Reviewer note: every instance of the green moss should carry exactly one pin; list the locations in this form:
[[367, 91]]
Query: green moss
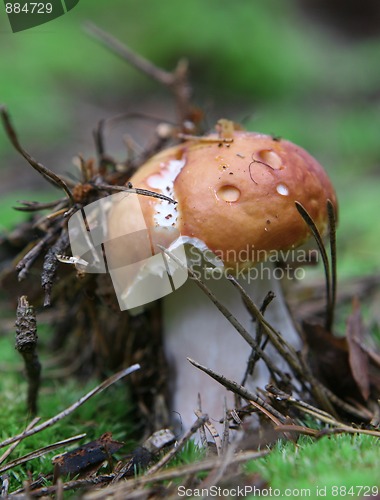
[[190, 453], [340, 460], [109, 411]]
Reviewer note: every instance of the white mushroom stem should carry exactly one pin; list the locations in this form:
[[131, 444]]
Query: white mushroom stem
[[195, 328]]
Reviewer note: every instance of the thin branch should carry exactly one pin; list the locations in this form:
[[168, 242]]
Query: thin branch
[[140, 63], [286, 350], [361, 414], [99, 135], [27, 261], [213, 432], [299, 429], [41, 452], [348, 430], [176, 81], [6, 454], [34, 206], [254, 357], [71, 485], [186, 470], [226, 430], [131, 189], [202, 430], [318, 238], [104, 385], [238, 389], [333, 254], [45, 172], [124, 487], [333, 399]]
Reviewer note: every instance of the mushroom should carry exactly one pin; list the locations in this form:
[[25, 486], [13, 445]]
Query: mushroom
[[236, 194]]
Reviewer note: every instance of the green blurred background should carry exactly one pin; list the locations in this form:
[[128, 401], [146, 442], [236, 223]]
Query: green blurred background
[[308, 71]]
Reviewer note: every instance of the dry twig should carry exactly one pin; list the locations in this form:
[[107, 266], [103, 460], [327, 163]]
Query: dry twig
[[45, 172], [124, 488], [239, 389], [104, 385], [176, 81], [41, 452], [6, 454]]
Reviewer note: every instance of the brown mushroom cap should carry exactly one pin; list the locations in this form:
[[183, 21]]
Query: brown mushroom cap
[[236, 196]]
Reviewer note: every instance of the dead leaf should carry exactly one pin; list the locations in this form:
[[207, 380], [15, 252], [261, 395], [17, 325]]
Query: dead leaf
[[86, 457], [358, 359], [329, 360]]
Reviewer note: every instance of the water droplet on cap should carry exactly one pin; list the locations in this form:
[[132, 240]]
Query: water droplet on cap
[[282, 189]]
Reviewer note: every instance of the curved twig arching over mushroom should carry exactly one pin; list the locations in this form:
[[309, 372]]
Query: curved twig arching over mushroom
[[236, 194]]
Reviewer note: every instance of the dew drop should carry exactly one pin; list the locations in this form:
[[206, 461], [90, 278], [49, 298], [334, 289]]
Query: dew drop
[[271, 158], [229, 193], [282, 189]]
